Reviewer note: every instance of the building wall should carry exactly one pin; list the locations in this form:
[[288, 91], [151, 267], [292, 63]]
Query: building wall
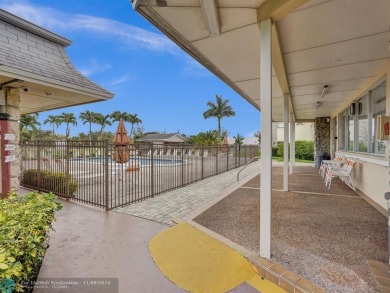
[[371, 172], [322, 136], [303, 131], [12, 101]]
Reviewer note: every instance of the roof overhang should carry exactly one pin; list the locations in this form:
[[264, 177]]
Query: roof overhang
[[342, 44], [45, 76], [37, 95]]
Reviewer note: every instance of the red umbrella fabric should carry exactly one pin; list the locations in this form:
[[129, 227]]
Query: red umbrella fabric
[[122, 144]]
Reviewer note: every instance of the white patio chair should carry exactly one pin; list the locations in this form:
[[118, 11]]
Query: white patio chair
[[205, 153], [197, 153], [344, 173], [326, 163]]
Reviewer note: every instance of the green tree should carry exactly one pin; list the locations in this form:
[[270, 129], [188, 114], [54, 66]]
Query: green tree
[[29, 122], [132, 119], [53, 121], [28, 125], [238, 141], [88, 117], [118, 115], [219, 110], [206, 138], [103, 121], [68, 118], [138, 133]]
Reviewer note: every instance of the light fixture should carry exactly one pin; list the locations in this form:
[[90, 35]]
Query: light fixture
[[318, 104], [211, 17], [324, 91]]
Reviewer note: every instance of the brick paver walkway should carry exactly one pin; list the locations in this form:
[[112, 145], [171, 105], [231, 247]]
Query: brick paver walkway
[[179, 202]]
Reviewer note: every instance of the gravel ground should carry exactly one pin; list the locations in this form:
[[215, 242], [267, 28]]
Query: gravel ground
[[325, 238]]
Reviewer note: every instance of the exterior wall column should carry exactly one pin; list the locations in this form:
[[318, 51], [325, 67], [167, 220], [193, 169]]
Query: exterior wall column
[[266, 137], [322, 136], [387, 152], [285, 143], [292, 143], [12, 101]]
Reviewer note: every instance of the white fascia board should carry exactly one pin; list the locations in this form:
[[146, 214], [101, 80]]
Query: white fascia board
[[31, 77]]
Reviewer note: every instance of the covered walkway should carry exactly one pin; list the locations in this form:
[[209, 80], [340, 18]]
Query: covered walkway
[[325, 236], [89, 243]]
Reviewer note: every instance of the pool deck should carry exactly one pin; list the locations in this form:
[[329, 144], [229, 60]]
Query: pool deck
[[178, 203]]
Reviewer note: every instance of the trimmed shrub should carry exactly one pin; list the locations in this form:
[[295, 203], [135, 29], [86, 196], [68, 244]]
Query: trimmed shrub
[[55, 182], [24, 225], [280, 150], [275, 151], [304, 150]]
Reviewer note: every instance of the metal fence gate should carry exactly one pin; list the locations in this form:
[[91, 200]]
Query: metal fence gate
[[85, 170]]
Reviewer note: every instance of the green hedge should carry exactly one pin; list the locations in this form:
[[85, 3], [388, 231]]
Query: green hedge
[[304, 150], [55, 182], [24, 226]]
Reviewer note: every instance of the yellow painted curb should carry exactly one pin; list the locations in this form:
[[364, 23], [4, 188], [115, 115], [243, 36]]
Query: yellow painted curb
[[263, 285], [197, 262]]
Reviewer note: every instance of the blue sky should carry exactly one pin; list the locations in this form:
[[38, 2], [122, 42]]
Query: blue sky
[[149, 75]]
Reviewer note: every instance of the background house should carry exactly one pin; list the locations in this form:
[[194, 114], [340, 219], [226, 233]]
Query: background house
[[159, 138]]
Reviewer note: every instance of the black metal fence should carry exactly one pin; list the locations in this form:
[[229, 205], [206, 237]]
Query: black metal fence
[[85, 171]]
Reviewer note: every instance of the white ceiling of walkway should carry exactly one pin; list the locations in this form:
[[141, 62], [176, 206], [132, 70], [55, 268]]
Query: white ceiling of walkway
[[339, 43]]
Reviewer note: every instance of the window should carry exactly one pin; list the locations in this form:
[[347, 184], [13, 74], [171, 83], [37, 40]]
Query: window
[[357, 128], [343, 125], [378, 106], [363, 133], [351, 132]]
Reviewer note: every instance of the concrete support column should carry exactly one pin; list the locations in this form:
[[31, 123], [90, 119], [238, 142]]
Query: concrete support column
[[292, 143], [322, 136], [266, 137], [285, 143], [12, 107]]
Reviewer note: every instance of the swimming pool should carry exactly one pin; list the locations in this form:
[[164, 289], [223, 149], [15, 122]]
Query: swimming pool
[[133, 161]]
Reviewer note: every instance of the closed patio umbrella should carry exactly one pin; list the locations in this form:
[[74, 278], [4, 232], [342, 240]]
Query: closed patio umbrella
[[122, 144]]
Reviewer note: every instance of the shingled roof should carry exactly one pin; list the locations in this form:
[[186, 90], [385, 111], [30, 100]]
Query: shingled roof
[[30, 50], [161, 137]]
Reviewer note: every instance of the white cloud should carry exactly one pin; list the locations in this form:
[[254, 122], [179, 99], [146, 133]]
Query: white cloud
[[120, 80], [93, 67], [129, 36], [56, 20]]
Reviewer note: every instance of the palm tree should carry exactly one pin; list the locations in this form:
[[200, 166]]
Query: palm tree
[[28, 125], [219, 110], [68, 118], [29, 121], [238, 141], [207, 138], [53, 121], [102, 120], [118, 115], [132, 119], [88, 117]]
